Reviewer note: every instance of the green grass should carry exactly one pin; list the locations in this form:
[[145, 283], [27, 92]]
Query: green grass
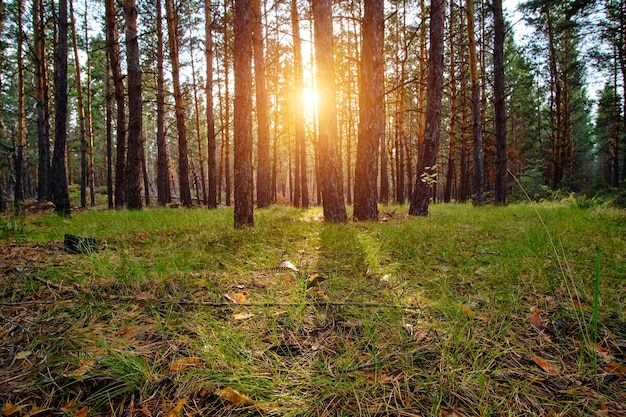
[[415, 316]]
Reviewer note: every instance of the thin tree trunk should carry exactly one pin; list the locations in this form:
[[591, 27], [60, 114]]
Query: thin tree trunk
[[113, 49], [332, 183], [499, 102], [60, 192], [20, 146], [197, 119], [41, 87], [135, 158], [243, 114], [298, 102], [447, 195], [210, 117], [226, 125], [164, 191], [88, 118], [478, 194], [262, 108], [426, 166], [371, 111], [183, 159], [109, 133]]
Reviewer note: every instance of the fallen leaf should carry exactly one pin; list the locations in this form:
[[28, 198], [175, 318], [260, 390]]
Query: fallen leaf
[[236, 297], [536, 321], [23, 355], [10, 409], [243, 316], [616, 368], [547, 366], [175, 411], [183, 363], [468, 311], [288, 265], [82, 412], [235, 397], [314, 280], [602, 352]]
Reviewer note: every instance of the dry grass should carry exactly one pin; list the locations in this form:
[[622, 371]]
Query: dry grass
[[473, 311]]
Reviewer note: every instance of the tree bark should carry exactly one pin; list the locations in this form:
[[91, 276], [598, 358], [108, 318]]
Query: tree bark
[[113, 49], [183, 159], [41, 87], [447, 196], [478, 194], [20, 146], [164, 191], [262, 108], [420, 197], [371, 112], [60, 192], [243, 114], [134, 161], [330, 169], [210, 117], [499, 102], [298, 107]]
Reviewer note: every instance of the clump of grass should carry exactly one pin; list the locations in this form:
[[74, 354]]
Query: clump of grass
[[409, 316]]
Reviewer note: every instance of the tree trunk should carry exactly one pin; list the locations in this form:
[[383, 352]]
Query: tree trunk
[[243, 114], [135, 107], [499, 102], [196, 104], [88, 117], [262, 104], [332, 184], [371, 111], [41, 87], [20, 162], [113, 49], [447, 194], [81, 112], [210, 117], [164, 191], [183, 159], [478, 194], [109, 133], [426, 166], [298, 107], [60, 192]]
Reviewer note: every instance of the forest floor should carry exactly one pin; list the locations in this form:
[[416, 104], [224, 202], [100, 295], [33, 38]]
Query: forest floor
[[501, 311]]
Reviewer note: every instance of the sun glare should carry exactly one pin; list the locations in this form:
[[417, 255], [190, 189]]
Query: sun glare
[[309, 100]]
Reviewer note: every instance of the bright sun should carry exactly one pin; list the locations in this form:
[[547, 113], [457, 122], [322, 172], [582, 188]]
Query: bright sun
[[309, 100]]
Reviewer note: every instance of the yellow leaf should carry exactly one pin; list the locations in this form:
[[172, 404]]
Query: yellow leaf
[[183, 363], [236, 297], [468, 311], [23, 355], [242, 316], [234, 397], [10, 409], [547, 366], [175, 411], [314, 280]]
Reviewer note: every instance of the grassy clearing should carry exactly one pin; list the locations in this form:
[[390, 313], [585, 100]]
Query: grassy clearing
[[471, 311]]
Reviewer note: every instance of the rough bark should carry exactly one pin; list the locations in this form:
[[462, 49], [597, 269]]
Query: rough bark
[[371, 112], [134, 161], [243, 114], [183, 159], [164, 191], [298, 108], [262, 110], [41, 87], [447, 196], [113, 50], [420, 198], [60, 191], [20, 146], [499, 102], [210, 117], [330, 164]]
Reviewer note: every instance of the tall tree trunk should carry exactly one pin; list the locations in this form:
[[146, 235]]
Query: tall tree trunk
[[210, 116], [226, 123], [88, 117], [262, 104], [81, 112], [41, 87], [298, 107], [183, 159], [371, 111], [109, 133], [113, 49], [478, 194], [332, 183], [447, 196], [164, 191], [499, 102], [243, 114], [20, 146], [426, 166], [196, 104], [60, 191], [134, 162]]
